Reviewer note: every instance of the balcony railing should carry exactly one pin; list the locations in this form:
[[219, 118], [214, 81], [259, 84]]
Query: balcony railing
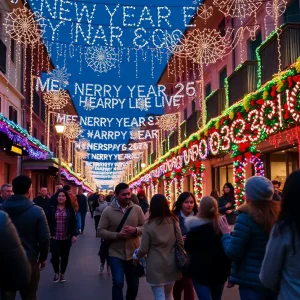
[[289, 49], [2, 57], [215, 104], [242, 81]]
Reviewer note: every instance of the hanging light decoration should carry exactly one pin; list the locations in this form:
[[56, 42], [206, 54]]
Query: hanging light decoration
[[73, 130], [56, 100], [24, 26]]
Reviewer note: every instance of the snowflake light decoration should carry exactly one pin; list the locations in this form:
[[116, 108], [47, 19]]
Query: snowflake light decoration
[[141, 104], [237, 8], [82, 154], [275, 9], [204, 12], [168, 122], [24, 26], [88, 105], [56, 99], [73, 130], [61, 76], [101, 59], [82, 144]]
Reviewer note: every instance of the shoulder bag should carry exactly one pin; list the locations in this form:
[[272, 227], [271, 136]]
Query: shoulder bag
[[181, 257]]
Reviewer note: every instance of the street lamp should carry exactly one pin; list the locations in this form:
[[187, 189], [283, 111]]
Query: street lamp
[[59, 128], [143, 165]]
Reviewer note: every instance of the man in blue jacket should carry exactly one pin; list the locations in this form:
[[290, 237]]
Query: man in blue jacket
[[28, 218]]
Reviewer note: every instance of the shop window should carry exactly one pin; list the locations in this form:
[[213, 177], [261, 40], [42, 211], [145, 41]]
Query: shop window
[[12, 51], [221, 27], [13, 114], [185, 113], [207, 90], [36, 103], [292, 13], [193, 106], [221, 175], [2, 57], [222, 76], [252, 45], [280, 164]]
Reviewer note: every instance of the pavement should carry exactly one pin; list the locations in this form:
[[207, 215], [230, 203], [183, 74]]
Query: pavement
[[84, 282]]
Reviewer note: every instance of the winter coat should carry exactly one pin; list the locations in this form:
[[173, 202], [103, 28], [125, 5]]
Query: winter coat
[[71, 221], [208, 262], [99, 206], [144, 204], [82, 203], [31, 224], [158, 241], [222, 201], [109, 222], [246, 247], [42, 202], [182, 224], [280, 270], [15, 269]]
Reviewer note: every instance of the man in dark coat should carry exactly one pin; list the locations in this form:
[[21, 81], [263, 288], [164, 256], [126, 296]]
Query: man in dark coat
[[15, 268], [6, 192], [43, 200], [28, 219], [83, 207]]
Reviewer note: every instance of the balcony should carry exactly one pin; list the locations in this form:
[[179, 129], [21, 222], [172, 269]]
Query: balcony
[[191, 123], [242, 81], [215, 104], [2, 57], [290, 51]]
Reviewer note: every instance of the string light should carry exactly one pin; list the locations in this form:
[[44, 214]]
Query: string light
[[73, 130], [168, 122], [24, 26], [56, 100]]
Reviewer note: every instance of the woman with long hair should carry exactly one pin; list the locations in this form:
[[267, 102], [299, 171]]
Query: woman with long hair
[[281, 270], [158, 243], [209, 266], [215, 194], [63, 229], [226, 203], [98, 206], [246, 246], [184, 207]]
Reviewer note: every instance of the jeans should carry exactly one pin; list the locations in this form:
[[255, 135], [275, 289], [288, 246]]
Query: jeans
[[163, 292], [60, 255], [185, 285], [119, 268], [83, 216], [247, 293], [29, 291], [97, 220], [78, 216], [205, 292]]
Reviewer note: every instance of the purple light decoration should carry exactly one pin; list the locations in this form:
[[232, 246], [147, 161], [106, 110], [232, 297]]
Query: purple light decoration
[[23, 141], [258, 165]]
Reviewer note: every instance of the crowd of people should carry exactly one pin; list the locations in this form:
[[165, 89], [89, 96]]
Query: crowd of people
[[187, 250]]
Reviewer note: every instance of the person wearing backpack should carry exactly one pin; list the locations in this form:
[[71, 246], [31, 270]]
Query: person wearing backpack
[[121, 225]]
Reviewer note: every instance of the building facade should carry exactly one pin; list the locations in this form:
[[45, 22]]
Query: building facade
[[251, 111]]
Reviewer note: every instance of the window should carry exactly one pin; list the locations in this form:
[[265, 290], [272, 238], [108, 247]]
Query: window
[[207, 90], [36, 103], [28, 126], [43, 111], [193, 106], [13, 114], [252, 45], [222, 76], [42, 140], [12, 50], [35, 133], [221, 27], [185, 114], [292, 13], [221, 175], [2, 57]]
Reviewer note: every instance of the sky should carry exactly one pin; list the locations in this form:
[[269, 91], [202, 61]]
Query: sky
[[74, 30]]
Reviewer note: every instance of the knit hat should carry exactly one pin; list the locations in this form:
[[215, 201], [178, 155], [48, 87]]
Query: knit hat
[[259, 188]]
